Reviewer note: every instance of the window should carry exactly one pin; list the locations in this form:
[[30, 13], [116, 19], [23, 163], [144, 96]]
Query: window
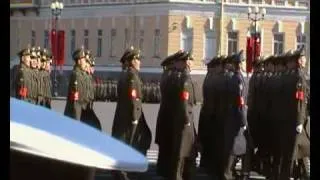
[[232, 42], [279, 2], [156, 43], [33, 38], [72, 41], [99, 47], [278, 43], [46, 39], [256, 1], [187, 40], [126, 38], [301, 41], [86, 39], [210, 45], [112, 42], [141, 41]]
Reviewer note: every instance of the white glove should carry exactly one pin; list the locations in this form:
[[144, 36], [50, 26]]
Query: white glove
[[299, 128], [135, 122], [242, 129]]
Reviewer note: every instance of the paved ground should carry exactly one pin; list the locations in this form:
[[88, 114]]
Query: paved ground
[[105, 111]]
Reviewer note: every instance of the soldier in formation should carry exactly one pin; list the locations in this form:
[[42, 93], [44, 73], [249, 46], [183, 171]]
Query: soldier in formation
[[84, 89], [32, 76], [129, 123], [223, 115], [175, 131], [278, 98]]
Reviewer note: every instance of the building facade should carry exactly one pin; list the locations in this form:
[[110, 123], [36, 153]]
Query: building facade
[[160, 27]]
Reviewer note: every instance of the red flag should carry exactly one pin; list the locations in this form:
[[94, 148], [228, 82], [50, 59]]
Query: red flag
[[258, 46], [53, 45], [61, 39], [249, 58]]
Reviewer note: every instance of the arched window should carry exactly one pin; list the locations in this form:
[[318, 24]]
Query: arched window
[[186, 35], [210, 40]]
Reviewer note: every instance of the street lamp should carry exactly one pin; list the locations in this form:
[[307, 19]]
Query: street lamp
[[257, 15], [56, 9]]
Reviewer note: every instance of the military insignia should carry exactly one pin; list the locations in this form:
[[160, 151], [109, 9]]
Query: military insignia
[[185, 95], [300, 95], [133, 94], [75, 82], [240, 101]]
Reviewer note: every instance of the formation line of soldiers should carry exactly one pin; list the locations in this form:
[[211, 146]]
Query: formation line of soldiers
[[237, 119], [278, 110], [269, 113], [31, 77]]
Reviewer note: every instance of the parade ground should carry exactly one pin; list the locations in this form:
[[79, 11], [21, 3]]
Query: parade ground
[[105, 111]]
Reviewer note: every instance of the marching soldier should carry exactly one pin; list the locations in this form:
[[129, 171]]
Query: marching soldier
[[164, 131], [129, 123], [295, 120], [44, 73], [77, 98], [88, 115], [184, 139], [244, 86], [254, 113], [207, 114], [23, 79], [35, 80], [235, 122]]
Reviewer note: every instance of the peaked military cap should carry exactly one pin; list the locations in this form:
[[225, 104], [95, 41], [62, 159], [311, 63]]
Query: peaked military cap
[[185, 56], [223, 59], [259, 61], [213, 62], [44, 55], [38, 51], [125, 54], [238, 58], [89, 57], [170, 59], [79, 53], [297, 54], [33, 52], [130, 54], [24, 52]]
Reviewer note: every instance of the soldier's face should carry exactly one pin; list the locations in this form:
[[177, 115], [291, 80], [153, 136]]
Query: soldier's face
[[243, 66], [83, 64], [48, 66], [26, 60], [136, 63], [189, 64], [34, 62], [302, 61]]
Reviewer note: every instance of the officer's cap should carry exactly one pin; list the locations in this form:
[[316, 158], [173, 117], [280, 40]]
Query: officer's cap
[[228, 59], [130, 54], [238, 58], [185, 56], [89, 57], [214, 61], [79, 53], [34, 52], [44, 55], [170, 59], [24, 52], [38, 51]]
